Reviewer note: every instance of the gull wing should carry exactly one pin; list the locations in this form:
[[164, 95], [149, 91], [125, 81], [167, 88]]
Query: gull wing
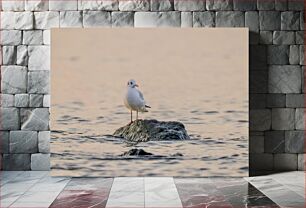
[[140, 95]]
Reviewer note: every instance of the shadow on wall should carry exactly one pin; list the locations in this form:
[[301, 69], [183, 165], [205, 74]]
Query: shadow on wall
[[272, 78]]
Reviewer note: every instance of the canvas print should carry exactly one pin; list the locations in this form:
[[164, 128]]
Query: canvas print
[[149, 102]]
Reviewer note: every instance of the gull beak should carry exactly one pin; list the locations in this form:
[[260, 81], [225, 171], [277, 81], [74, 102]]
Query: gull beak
[[136, 85]]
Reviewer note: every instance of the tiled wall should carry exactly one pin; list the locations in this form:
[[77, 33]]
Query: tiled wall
[[276, 68]]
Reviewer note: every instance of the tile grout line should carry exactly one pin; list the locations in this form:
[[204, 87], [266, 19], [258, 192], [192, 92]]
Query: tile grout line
[[25, 191], [33, 186]]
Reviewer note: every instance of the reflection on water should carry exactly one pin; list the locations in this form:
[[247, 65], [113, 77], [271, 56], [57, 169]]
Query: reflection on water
[[185, 77]]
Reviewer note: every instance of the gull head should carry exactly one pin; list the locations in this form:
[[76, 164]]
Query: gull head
[[132, 83]]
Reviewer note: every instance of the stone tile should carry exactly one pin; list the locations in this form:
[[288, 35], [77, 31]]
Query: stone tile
[[294, 54], [281, 5], [285, 79], [302, 20], [299, 119], [278, 54], [80, 198], [258, 82], [285, 162], [256, 144], [162, 5], [9, 55], [128, 184], [16, 162], [185, 6], [33, 37], [46, 101], [229, 19], [277, 192], [297, 5], [7, 20], [39, 58], [46, 20], [269, 20], [22, 55], [103, 5], [13, 79], [257, 101], [98, 185], [302, 55], [290, 20], [50, 184], [36, 100], [259, 161], [126, 199], [157, 19], [203, 19], [154, 184], [11, 37], [38, 82], [161, 192], [266, 37], [96, 19], [163, 198], [216, 5], [258, 56], [294, 141], [283, 38], [274, 142], [44, 141], [63, 5], [71, 18], [283, 118], [252, 21], [23, 142], [21, 100], [301, 162], [6, 100], [24, 20], [46, 37], [10, 119], [299, 37], [247, 5], [122, 19], [134, 5], [40, 161], [260, 120], [35, 199], [265, 5], [295, 100], [186, 19], [13, 5], [36, 119], [36, 5], [4, 141], [276, 100]]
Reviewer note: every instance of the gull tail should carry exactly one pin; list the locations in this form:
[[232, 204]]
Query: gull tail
[[147, 106]]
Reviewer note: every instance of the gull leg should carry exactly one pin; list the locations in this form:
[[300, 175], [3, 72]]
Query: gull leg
[[136, 115], [131, 117]]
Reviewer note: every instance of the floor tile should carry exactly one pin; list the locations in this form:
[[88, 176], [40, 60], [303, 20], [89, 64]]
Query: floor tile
[[161, 192], [83, 193], [295, 181], [277, 192], [128, 184], [80, 199], [199, 193], [125, 200], [55, 184]]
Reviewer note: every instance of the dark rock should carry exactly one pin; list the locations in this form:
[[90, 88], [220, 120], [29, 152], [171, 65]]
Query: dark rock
[[152, 130], [136, 152]]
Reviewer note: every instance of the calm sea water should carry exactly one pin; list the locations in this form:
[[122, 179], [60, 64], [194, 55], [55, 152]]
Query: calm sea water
[[205, 88]]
